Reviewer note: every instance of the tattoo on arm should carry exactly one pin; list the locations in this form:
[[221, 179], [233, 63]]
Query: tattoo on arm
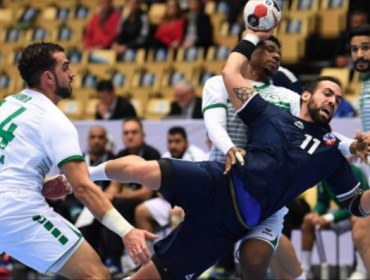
[[244, 93]]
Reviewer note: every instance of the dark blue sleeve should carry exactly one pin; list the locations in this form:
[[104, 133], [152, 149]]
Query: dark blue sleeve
[[253, 110], [346, 187], [281, 80]]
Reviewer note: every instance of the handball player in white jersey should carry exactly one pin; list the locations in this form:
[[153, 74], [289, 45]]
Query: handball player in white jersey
[[34, 135]]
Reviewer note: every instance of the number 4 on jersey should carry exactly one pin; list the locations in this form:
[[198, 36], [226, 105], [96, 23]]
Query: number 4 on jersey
[[316, 143], [7, 136]]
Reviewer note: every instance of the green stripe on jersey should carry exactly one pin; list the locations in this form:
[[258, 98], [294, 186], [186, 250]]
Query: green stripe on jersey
[[217, 105], [64, 161]]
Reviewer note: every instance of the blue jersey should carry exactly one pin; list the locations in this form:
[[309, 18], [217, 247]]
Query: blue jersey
[[285, 156]]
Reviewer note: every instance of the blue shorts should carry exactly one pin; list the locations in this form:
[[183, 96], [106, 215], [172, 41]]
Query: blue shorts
[[211, 226]]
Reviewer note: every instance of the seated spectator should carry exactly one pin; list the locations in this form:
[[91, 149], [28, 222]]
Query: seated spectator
[[198, 28], [170, 31], [186, 105], [345, 110], [96, 154], [342, 54], [133, 194], [110, 106], [338, 220], [133, 30], [102, 29], [158, 210]]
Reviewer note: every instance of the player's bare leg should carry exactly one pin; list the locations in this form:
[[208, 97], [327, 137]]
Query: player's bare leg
[[147, 272], [84, 264], [285, 264], [134, 169], [255, 257]]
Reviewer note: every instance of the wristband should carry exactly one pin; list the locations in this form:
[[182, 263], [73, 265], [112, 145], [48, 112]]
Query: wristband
[[116, 223], [245, 48], [328, 217], [252, 38]]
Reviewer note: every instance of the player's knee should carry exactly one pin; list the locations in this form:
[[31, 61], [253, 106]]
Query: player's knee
[[360, 235]]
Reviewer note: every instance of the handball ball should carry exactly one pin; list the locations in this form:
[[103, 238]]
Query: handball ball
[[262, 15]]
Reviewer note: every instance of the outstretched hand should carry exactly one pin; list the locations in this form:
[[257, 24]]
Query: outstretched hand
[[362, 147], [233, 155], [135, 244]]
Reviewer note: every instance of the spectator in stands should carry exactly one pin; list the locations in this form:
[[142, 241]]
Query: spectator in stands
[[96, 154], [133, 194], [102, 29], [157, 210], [186, 105], [133, 30], [342, 54], [337, 220], [198, 28], [170, 31], [110, 106]]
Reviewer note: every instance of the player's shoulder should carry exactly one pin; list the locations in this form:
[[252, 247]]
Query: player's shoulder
[[287, 73], [215, 81]]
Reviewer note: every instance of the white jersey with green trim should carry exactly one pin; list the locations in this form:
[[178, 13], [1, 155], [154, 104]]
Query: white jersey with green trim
[[364, 104], [34, 135], [215, 96]]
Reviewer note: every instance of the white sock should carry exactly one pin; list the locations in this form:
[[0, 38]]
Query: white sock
[[128, 278], [97, 173], [302, 276], [360, 264], [306, 260]]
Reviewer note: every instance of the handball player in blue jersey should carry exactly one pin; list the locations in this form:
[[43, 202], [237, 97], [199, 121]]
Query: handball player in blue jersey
[[286, 155]]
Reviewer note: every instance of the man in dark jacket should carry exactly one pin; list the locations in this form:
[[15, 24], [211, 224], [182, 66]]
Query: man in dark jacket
[[110, 106], [186, 105]]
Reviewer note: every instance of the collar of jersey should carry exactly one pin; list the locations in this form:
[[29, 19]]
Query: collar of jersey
[[265, 85]]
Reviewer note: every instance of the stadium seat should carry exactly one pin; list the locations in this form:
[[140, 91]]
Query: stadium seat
[[342, 74], [90, 109], [156, 13], [73, 109], [194, 56], [6, 17], [139, 98], [37, 35], [333, 18], [147, 78], [296, 48], [305, 6], [157, 108]]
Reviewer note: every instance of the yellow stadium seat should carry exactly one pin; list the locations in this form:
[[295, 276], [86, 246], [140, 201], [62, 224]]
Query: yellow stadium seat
[[90, 109], [193, 55], [333, 18], [342, 74], [73, 109], [139, 98], [157, 12], [157, 108], [6, 17]]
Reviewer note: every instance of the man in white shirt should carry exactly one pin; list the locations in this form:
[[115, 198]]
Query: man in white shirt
[[34, 134]]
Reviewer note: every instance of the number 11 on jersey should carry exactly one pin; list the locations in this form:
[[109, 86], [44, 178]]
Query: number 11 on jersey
[[315, 145]]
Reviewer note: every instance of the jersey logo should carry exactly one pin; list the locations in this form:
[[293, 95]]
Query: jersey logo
[[299, 124], [329, 139], [188, 277]]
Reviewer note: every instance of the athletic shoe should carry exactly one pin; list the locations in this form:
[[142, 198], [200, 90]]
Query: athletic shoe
[[357, 275], [112, 267]]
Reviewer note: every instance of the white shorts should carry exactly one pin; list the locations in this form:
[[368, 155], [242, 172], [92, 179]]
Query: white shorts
[[269, 230], [32, 233], [160, 210]]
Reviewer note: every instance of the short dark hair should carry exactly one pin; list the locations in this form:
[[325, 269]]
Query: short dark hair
[[272, 39], [35, 59], [361, 30], [178, 130], [105, 85], [313, 85], [134, 119]]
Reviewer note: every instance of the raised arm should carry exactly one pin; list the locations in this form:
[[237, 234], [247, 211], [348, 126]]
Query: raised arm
[[238, 88]]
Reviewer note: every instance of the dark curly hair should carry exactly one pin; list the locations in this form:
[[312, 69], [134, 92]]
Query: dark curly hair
[[272, 39], [35, 59]]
